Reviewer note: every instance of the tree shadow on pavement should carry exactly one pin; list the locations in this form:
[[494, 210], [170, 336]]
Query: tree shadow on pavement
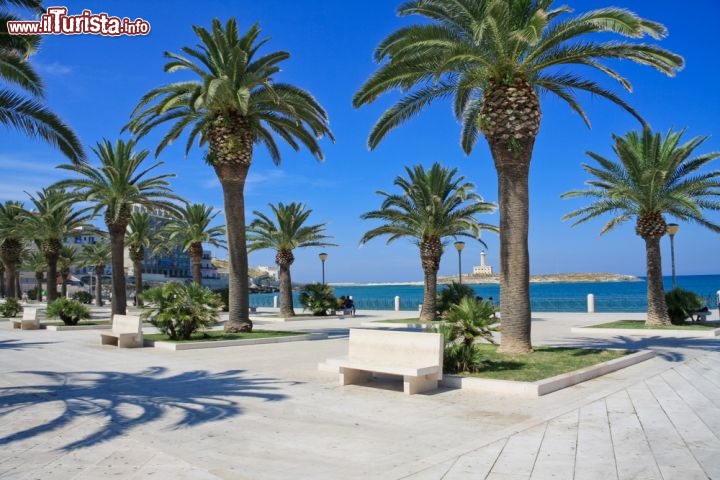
[[16, 344], [667, 348], [122, 401]]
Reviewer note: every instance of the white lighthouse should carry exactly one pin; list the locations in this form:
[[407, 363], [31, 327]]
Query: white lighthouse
[[483, 269]]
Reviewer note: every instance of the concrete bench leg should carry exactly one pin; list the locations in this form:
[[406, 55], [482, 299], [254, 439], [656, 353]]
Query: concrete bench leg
[[17, 324], [413, 385], [108, 340], [130, 341], [349, 376]]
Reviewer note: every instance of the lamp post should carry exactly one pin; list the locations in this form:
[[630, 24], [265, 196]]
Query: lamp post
[[323, 256], [672, 229], [459, 245]]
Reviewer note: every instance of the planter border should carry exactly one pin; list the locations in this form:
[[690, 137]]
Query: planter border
[[650, 332], [173, 346]]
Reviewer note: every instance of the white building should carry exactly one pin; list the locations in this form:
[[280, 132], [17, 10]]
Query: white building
[[271, 271], [482, 269]]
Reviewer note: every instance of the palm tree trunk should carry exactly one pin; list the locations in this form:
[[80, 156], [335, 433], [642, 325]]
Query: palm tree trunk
[[52, 293], [117, 247], [10, 279], [63, 285], [38, 285], [286, 301], [430, 254], [232, 178], [137, 267], [513, 197], [2, 280], [195, 252], [18, 290], [98, 285], [657, 308], [429, 306]]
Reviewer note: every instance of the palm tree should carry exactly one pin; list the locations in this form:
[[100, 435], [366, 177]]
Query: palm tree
[[53, 218], [119, 182], [11, 242], [36, 262], [29, 115], [191, 229], [140, 235], [233, 105], [68, 257], [2, 280], [283, 232], [433, 205], [494, 57], [654, 177], [96, 255]]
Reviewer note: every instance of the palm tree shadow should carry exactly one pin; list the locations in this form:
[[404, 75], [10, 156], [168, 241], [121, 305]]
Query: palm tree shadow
[[17, 345], [116, 397], [664, 347]]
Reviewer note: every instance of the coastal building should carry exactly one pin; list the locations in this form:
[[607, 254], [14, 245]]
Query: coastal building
[[271, 271], [483, 268]]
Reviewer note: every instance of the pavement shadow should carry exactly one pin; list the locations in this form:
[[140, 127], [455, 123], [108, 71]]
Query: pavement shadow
[[123, 401], [664, 347], [15, 344]]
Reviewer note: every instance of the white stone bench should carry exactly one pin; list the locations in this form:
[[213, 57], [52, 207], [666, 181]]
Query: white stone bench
[[416, 356], [29, 320], [126, 332]]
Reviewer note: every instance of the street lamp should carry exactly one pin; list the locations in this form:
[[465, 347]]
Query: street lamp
[[672, 229], [459, 245], [323, 256]]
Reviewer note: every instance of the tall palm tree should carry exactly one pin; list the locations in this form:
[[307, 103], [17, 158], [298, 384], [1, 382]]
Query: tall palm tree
[[283, 232], [36, 262], [119, 182], [96, 255], [53, 217], [190, 229], [11, 242], [654, 177], [27, 114], [140, 235], [2, 280], [494, 57], [433, 205], [68, 257], [233, 105]]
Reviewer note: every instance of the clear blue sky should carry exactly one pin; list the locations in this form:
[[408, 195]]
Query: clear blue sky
[[94, 82]]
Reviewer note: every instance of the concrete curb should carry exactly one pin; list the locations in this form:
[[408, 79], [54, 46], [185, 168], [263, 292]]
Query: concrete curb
[[65, 328], [548, 385], [299, 319], [233, 343], [391, 325], [649, 332]]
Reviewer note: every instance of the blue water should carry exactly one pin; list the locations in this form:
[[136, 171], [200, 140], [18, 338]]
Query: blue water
[[544, 297]]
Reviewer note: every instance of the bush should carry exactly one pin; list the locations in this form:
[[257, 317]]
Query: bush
[[10, 308], [69, 311], [83, 297], [462, 326], [451, 295], [681, 304], [224, 294], [318, 298], [178, 310], [33, 293]]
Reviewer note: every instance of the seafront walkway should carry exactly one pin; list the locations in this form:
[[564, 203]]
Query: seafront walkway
[[71, 408]]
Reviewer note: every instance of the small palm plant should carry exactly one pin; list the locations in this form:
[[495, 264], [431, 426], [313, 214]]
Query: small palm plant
[[466, 322], [319, 298], [70, 311], [283, 232], [433, 205], [178, 310], [451, 295], [654, 177]]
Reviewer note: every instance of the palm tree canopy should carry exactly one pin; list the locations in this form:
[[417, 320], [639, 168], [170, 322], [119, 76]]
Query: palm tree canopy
[[36, 262], [140, 231], [193, 226], [433, 204], [68, 257], [53, 216], [120, 180], [29, 115], [470, 46], [94, 254], [285, 230], [11, 214], [233, 80], [655, 175]]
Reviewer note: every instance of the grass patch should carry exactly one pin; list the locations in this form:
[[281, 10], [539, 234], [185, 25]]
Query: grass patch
[[544, 362], [217, 335], [79, 324], [640, 325]]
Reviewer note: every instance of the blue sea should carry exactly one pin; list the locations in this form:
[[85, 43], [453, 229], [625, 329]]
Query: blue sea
[[544, 297]]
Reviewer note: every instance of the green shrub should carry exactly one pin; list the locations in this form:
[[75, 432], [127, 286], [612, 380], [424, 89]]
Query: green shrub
[[33, 293], [83, 297], [451, 295], [224, 294], [178, 310], [461, 358], [10, 308], [467, 321], [69, 311], [681, 304], [318, 298]]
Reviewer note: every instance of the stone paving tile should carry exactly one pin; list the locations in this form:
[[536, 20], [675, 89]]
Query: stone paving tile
[[595, 457], [556, 458], [520, 452]]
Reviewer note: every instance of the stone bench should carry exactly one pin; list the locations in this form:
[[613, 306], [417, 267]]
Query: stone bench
[[126, 332], [29, 321], [416, 356]]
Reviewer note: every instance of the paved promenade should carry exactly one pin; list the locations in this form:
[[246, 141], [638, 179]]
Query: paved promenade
[[73, 409]]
